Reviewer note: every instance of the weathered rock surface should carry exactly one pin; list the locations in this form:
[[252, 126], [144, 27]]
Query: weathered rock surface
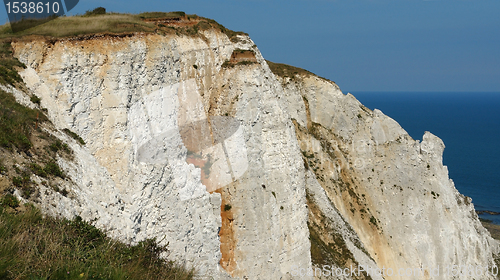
[[237, 169], [392, 190], [131, 99]]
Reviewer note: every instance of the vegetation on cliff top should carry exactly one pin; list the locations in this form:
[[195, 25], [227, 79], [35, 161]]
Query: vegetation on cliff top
[[33, 247], [288, 71], [98, 21]]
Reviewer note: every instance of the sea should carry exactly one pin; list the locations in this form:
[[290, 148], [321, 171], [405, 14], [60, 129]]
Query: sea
[[469, 125]]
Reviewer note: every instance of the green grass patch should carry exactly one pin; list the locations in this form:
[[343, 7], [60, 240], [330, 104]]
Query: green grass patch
[[9, 201], [74, 136], [16, 122], [373, 220], [35, 99], [32, 247], [3, 168], [57, 146], [8, 73], [50, 169], [227, 64], [24, 184]]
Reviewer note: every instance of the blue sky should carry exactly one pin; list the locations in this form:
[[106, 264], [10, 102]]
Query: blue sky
[[362, 45]]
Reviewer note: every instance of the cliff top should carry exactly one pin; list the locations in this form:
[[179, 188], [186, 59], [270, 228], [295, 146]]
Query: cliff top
[[288, 71], [178, 23]]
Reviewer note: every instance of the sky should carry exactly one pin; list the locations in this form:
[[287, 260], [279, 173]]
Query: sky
[[362, 45]]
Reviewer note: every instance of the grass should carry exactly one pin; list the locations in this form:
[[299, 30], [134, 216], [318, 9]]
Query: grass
[[245, 62], [288, 71], [59, 146], [8, 73], [113, 23], [227, 64], [74, 136], [335, 252], [9, 201], [285, 70], [162, 15], [17, 122], [3, 169], [84, 25], [33, 247]]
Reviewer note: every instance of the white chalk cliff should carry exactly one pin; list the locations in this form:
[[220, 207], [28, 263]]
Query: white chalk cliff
[[240, 170]]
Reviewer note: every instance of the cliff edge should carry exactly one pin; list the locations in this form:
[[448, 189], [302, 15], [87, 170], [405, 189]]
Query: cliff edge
[[246, 169]]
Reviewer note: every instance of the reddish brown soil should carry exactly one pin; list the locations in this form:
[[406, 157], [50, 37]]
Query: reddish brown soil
[[226, 234]]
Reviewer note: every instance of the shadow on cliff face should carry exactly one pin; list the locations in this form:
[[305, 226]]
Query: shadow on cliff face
[[215, 144]]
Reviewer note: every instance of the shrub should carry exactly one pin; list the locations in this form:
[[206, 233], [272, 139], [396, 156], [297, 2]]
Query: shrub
[[227, 64], [3, 169], [10, 201], [96, 11], [58, 145], [21, 181], [52, 168], [74, 136], [38, 170], [245, 62], [35, 99], [227, 207]]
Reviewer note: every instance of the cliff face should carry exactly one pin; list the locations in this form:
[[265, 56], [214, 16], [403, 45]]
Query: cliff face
[[239, 170], [393, 190], [141, 103]]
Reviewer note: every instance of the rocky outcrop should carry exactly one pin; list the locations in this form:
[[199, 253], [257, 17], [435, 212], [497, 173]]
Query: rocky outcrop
[[393, 191], [150, 109], [241, 171]]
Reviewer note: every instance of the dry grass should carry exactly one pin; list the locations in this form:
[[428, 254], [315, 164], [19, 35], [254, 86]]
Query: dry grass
[[288, 71], [162, 15], [285, 70], [81, 25], [121, 23], [32, 247]]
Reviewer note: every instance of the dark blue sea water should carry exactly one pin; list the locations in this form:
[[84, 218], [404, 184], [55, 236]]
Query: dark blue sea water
[[469, 125]]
